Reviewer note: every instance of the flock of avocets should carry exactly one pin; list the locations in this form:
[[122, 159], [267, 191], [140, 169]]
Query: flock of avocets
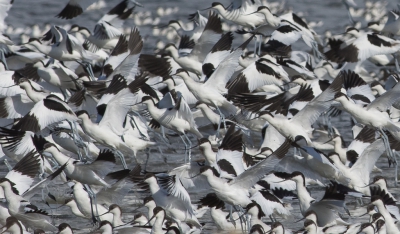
[[82, 109]]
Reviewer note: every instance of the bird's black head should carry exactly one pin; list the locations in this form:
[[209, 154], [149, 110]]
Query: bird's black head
[[147, 199], [32, 39], [255, 204], [68, 200], [340, 94], [82, 112], [174, 22], [203, 141], [295, 77], [377, 178], [276, 225], [379, 224], [157, 209], [265, 112], [257, 228], [148, 175], [104, 223], [327, 64], [373, 23], [370, 208], [205, 168], [308, 223], [138, 215], [114, 206], [296, 174], [214, 4], [49, 145], [63, 226], [376, 198], [265, 149], [376, 216], [260, 8], [375, 83], [309, 213], [351, 29], [366, 225], [181, 70], [145, 98], [39, 231]]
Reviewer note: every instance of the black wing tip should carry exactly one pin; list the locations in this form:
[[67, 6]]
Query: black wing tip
[[106, 155], [232, 140], [135, 43], [224, 43], [70, 11], [212, 200], [214, 23]]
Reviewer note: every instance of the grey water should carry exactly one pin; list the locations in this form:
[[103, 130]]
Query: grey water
[[25, 13]]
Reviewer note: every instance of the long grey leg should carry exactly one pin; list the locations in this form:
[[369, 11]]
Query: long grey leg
[[9, 167], [93, 201], [255, 48], [231, 217], [134, 123], [3, 58], [389, 152], [147, 158], [396, 62], [121, 156], [222, 116], [186, 147], [190, 147]]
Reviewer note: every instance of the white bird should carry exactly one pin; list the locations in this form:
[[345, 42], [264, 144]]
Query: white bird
[[386, 207], [65, 228], [240, 12], [301, 123], [179, 119], [44, 113], [168, 192], [326, 209], [193, 62]]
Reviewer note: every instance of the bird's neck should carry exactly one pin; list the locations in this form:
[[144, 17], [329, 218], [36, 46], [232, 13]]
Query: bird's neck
[[332, 72], [349, 106], [154, 111], [255, 220], [341, 151], [157, 226], [117, 221], [75, 210], [33, 95], [214, 181], [271, 19], [388, 217], [190, 83], [209, 114], [209, 155], [380, 90], [154, 187], [174, 53], [303, 196], [339, 165], [61, 158]]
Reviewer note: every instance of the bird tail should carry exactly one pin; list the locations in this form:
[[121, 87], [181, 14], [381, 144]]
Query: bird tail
[[126, 150], [392, 127], [89, 56], [228, 109]]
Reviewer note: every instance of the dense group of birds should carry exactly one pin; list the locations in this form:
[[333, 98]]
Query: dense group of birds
[[223, 125]]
